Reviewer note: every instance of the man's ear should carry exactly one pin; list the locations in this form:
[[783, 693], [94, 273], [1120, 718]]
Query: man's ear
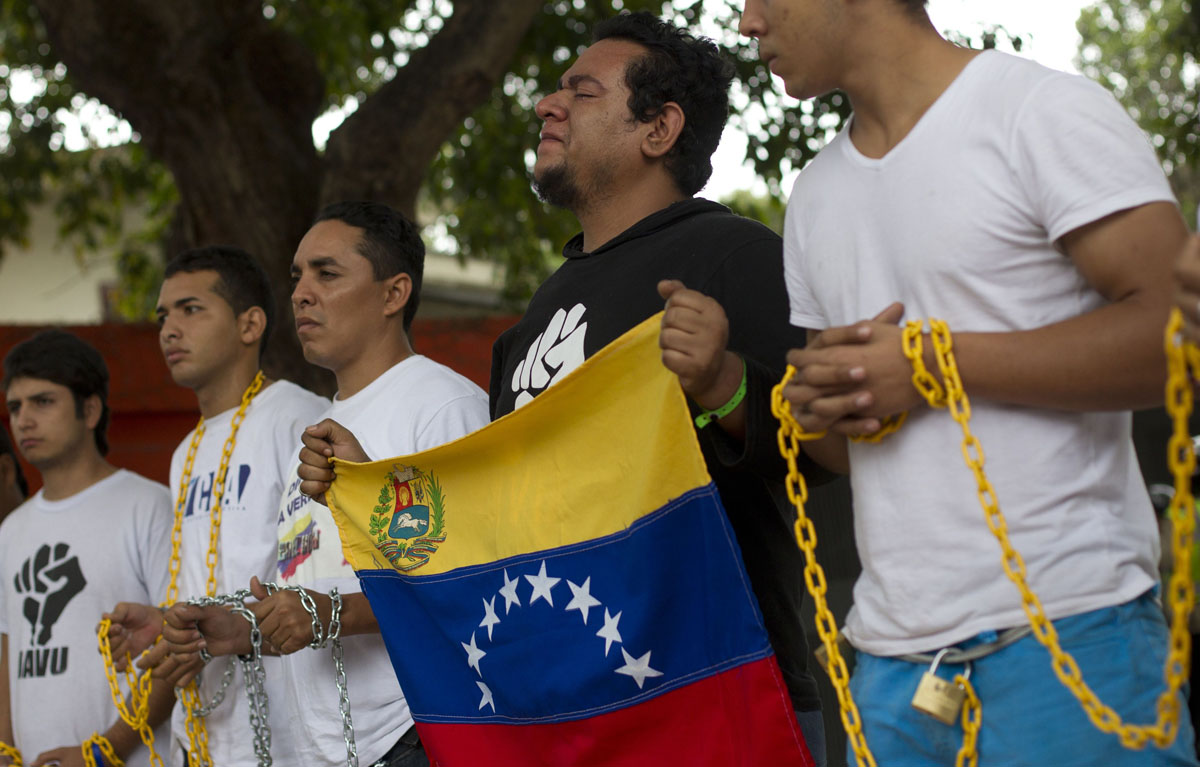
[[399, 291], [664, 131], [93, 408], [252, 324]]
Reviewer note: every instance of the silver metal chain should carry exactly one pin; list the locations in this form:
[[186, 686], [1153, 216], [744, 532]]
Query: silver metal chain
[[309, 605], [331, 638], [256, 692], [334, 637], [226, 676], [253, 673]]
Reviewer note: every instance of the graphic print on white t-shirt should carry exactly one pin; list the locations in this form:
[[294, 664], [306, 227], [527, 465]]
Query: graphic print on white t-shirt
[[201, 488], [297, 542], [555, 352], [46, 584]]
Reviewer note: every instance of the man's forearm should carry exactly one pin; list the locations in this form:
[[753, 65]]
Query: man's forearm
[[1108, 359], [831, 452], [357, 615]]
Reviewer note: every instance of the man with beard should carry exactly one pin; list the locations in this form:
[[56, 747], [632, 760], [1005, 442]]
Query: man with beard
[[626, 142]]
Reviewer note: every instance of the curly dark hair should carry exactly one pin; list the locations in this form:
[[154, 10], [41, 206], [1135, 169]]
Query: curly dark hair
[[683, 68]]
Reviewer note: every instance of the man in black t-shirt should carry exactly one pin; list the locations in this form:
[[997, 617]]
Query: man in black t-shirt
[[626, 142]]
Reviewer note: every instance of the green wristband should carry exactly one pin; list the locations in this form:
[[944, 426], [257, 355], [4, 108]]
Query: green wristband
[[707, 417]]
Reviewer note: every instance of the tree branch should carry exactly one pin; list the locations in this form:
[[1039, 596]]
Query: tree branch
[[383, 151]]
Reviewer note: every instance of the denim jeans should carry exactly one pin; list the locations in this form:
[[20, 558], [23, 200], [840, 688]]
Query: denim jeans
[[812, 724], [1029, 718], [408, 752]]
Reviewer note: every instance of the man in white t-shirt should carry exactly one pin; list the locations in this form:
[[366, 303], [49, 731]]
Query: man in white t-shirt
[[357, 276], [1023, 207], [215, 314], [93, 535]]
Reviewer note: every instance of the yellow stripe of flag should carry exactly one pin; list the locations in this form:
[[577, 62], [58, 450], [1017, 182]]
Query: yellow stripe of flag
[[614, 435]]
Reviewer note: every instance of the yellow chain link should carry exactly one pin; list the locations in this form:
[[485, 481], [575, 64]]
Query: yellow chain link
[[1181, 590], [137, 713], [177, 526], [790, 436], [12, 753], [140, 687], [110, 756], [950, 393], [972, 720]]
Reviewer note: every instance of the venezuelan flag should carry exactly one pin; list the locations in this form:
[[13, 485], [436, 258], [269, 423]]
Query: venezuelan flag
[[569, 591]]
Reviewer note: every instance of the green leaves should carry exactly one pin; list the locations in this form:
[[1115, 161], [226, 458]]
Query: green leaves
[[1145, 51]]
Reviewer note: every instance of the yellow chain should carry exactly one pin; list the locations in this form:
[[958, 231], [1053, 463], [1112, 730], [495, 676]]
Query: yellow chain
[[110, 756], [790, 437], [1180, 590], [177, 526], [139, 687], [972, 720], [137, 713], [12, 753]]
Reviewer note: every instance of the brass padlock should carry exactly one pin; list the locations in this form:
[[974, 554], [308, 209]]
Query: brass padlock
[[940, 698]]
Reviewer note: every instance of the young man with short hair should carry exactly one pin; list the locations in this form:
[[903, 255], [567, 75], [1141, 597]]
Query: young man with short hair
[[357, 281], [215, 313], [968, 187], [92, 536], [13, 488]]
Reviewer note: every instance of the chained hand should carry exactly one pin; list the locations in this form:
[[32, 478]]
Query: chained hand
[[134, 628], [284, 620], [846, 376], [188, 629]]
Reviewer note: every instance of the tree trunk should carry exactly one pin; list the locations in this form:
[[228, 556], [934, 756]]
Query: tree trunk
[[226, 100]]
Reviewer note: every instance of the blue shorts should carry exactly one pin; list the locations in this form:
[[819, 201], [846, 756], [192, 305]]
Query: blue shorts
[[1029, 717]]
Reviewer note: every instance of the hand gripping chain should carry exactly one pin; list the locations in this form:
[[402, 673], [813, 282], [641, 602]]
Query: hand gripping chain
[[321, 639], [1181, 358], [253, 673], [137, 713]]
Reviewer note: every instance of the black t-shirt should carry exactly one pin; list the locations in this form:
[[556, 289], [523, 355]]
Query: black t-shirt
[[595, 297]]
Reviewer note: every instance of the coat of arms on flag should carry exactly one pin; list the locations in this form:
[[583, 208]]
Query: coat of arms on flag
[[591, 606], [408, 522]]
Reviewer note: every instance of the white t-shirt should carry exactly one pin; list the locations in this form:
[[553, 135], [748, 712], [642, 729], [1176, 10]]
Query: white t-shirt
[[64, 563], [264, 458], [416, 405], [959, 222]]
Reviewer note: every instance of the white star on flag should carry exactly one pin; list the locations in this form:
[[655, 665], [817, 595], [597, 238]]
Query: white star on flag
[[582, 599], [487, 697], [490, 618], [638, 669], [509, 592], [474, 654], [541, 585], [608, 632]]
